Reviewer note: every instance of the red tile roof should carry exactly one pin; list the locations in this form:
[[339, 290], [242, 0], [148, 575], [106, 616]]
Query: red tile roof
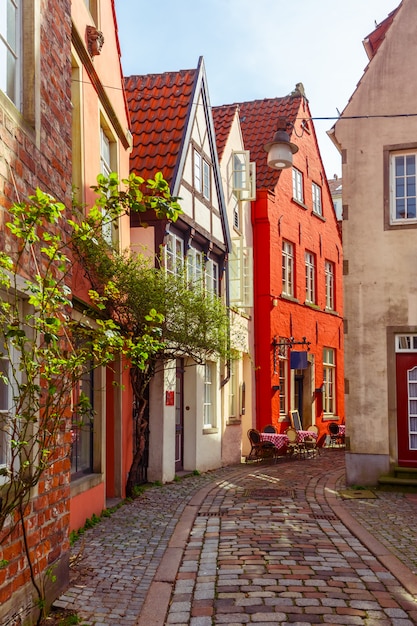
[[159, 106], [223, 117], [259, 121], [374, 39]]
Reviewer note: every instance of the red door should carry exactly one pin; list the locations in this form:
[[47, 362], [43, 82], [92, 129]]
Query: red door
[[407, 409]]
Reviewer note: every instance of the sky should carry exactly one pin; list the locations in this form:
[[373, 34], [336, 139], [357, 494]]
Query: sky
[[255, 49]]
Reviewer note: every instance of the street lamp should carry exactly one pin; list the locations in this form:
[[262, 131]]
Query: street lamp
[[280, 149]]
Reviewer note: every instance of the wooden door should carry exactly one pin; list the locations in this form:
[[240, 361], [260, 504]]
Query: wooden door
[[406, 367]]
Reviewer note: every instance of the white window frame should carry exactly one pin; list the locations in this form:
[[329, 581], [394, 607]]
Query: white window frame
[[174, 254], [206, 180], [329, 381], [6, 398], [11, 52], [195, 265], [287, 268], [233, 391], [316, 196], [329, 280], [197, 171], [241, 274], [297, 185], [310, 267], [405, 343], [211, 277], [403, 187], [283, 385], [106, 169], [209, 401]]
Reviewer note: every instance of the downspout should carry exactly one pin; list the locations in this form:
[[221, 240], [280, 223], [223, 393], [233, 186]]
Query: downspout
[[227, 289]]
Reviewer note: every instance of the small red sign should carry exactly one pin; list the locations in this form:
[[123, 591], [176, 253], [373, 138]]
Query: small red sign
[[169, 398]]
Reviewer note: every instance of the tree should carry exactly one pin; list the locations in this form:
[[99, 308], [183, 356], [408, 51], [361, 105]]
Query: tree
[[44, 351], [189, 321]]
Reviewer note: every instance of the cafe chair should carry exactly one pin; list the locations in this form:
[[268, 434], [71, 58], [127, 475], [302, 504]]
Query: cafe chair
[[310, 443], [333, 430], [294, 447], [259, 449], [270, 429]]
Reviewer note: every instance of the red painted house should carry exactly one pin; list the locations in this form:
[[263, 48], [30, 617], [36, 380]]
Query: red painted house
[[297, 272]]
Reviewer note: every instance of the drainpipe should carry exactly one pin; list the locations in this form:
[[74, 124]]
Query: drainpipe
[[227, 377]]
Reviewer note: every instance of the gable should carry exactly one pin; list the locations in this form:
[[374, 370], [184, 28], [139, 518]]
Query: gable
[[172, 128]]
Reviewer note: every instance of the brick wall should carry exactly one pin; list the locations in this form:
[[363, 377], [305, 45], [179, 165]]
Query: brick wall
[[35, 151]]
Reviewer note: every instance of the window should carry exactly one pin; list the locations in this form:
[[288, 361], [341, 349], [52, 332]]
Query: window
[[329, 376], [197, 171], [5, 407], [297, 185], [209, 413], [287, 268], [329, 277], [10, 50], [82, 428], [403, 187], [212, 277], [317, 206], [105, 169], [174, 255], [310, 277], [202, 175], [283, 393], [194, 266], [241, 275], [412, 407], [233, 409], [206, 180]]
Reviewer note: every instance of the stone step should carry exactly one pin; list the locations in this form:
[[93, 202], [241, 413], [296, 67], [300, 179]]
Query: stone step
[[391, 481]]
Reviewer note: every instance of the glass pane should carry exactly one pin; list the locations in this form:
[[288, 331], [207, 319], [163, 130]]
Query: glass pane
[[411, 208], [412, 407], [411, 165], [399, 166], [4, 387], [411, 186], [400, 209], [412, 390], [399, 187], [413, 424], [413, 442]]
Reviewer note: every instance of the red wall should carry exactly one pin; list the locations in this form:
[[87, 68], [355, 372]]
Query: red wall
[[277, 217]]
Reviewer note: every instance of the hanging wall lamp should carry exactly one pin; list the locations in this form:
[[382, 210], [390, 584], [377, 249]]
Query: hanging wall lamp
[[280, 149]]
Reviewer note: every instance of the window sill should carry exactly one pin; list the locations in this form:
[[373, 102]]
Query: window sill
[[300, 204], [331, 312], [284, 296], [84, 483], [210, 431], [311, 305], [329, 417], [318, 215], [233, 421], [283, 418]]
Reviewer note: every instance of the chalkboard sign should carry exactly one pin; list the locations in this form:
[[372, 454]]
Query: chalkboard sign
[[296, 420]]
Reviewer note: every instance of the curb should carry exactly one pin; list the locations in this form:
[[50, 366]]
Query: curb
[[392, 563]]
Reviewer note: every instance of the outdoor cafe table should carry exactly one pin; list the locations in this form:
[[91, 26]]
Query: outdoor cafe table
[[279, 440], [342, 429], [305, 434]]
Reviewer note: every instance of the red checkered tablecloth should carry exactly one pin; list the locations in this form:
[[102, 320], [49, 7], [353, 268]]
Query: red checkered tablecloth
[[279, 440]]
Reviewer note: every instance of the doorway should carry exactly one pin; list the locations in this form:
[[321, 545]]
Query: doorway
[[298, 392], [406, 370], [179, 416]]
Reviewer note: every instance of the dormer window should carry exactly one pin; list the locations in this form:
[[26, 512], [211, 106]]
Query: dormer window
[[244, 175]]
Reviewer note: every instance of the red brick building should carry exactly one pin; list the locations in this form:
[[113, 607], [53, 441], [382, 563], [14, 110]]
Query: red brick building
[[297, 273], [35, 140]]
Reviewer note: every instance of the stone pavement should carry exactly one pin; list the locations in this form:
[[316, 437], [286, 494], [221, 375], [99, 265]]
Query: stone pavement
[[266, 543]]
